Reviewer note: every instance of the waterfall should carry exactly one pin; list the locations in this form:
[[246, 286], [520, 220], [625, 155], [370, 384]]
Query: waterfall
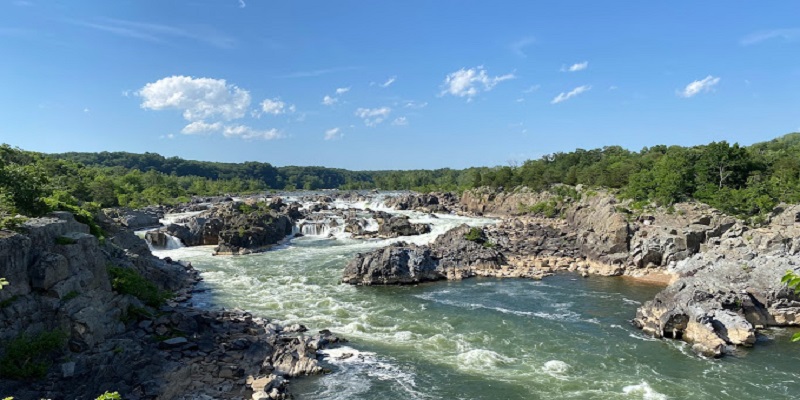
[[173, 242]]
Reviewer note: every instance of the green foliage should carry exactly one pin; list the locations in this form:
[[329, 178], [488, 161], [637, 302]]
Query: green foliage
[[549, 208], [792, 281], [135, 313], [28, 357], [474, 235], [109, 396], [128, 281], [743, 181]]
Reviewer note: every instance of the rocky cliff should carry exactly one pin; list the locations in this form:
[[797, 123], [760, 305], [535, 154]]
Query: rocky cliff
[[723, 294], [724, 274], [116, 339]]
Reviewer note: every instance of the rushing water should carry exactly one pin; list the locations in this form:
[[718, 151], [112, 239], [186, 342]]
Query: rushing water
[[562, 338]]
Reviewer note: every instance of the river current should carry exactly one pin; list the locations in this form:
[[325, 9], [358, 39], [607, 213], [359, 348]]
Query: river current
[[565, 337]]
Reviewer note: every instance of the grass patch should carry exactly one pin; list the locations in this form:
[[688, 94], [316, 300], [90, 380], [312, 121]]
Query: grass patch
[[128, 281], [29, 357]]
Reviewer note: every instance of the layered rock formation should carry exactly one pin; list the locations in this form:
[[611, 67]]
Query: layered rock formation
[[237, 227], [59, 281], [732, 288], [450, 256], [425, 202], [725, 275]]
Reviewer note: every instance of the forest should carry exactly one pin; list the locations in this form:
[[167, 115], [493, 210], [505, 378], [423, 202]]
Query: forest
[[745, 181]]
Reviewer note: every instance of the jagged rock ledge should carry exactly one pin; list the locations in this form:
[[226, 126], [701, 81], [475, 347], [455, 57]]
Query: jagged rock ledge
[[723, 275], [59, 280]]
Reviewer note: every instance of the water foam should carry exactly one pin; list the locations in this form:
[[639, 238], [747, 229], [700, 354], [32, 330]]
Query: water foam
[[481, 359], [643, 391]]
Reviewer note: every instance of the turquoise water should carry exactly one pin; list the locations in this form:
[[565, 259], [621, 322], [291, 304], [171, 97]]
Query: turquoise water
[[562, 338]]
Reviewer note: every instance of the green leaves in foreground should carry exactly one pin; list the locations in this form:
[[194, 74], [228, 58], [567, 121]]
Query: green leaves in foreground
[[792, 281]]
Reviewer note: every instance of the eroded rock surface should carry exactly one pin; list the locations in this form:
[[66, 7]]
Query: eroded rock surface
[[450, 256]]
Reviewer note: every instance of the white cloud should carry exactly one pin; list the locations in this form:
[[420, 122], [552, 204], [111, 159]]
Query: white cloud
[[275, 107], [329, 101], [373, 116], [333, 133], [197, 98], [242, 4], [388, 82], [203, 100], [518, 46], [246, 132], [564, 96], [400, 121], [788, 35], [469, 82], [342, 90], [157, 33], [201, 127], [576, 67], [703, 85], [532, 89], [415, 105], [86, 110]]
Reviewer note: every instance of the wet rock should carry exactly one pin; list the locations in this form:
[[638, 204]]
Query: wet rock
[[450, 256]]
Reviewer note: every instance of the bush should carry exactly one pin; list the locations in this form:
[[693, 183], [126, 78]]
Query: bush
[[128, 281], [109, 396], [549, 209], [474, 235], [30, 357]]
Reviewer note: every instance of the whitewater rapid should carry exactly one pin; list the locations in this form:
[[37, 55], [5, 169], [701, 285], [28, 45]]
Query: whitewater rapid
[[562, 338]]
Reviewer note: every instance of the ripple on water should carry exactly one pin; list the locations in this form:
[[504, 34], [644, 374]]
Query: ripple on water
[[482, 360], [643, 391]]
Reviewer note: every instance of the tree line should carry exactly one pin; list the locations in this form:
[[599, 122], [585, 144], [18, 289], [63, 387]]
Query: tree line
[[740, 180]]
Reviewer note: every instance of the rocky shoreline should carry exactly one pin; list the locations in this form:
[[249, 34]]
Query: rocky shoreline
[[722, 275], [723, 281], [60, 281]]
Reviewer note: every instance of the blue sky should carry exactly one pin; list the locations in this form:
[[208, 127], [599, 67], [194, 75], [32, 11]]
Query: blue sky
[[393, 84]]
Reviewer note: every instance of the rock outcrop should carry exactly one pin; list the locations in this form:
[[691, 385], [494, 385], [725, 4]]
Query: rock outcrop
[[450, 256], [725, 293], [726, 275], [136, 219], [59, 281], [391, 226], [424, 202], [237, 227]]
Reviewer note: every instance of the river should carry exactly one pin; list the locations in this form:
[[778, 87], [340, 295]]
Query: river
[[565, 337]]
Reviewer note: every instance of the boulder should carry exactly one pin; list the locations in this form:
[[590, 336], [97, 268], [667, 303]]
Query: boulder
[[450, 256]]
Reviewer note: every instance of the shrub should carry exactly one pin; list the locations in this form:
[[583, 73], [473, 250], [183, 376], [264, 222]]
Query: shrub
[[549, 209], [474, 235], [109, 396], [128, 281], [30, 357]]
